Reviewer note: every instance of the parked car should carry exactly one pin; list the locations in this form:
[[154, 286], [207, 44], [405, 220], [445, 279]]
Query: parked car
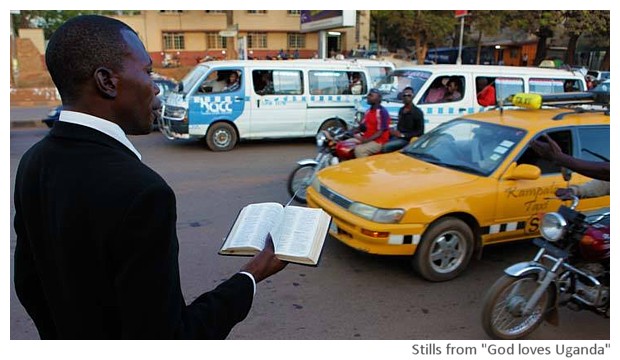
[[165, 87], [470, 182]]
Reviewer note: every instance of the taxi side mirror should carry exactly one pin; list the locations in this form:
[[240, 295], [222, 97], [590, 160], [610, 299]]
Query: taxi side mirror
[[522, 172]]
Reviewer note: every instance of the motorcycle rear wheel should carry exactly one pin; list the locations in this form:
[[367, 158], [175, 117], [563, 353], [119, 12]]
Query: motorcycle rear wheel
[[504, 302], [300, 177]]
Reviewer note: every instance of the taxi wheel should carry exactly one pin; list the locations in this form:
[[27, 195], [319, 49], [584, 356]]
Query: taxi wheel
[[445, 250], [221, 137]]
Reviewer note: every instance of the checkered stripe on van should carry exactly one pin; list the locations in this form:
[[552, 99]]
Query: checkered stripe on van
[[451, 110]]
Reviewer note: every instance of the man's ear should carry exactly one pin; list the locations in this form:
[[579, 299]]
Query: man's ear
[[106, 82]]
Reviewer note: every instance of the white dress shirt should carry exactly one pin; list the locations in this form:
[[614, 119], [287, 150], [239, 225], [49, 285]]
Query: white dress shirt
[[107, 127]]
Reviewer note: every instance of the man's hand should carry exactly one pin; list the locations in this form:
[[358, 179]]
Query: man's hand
[[565, 193], [549, 150], [265, 263]]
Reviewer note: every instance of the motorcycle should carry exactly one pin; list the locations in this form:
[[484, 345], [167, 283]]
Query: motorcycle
[[571, 269], [334, 145]]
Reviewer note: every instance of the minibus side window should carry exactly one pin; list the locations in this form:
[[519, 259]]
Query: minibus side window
[[221, 81], [445, 89], [329, 82], [505, 86], [546, 86], [278, 82]]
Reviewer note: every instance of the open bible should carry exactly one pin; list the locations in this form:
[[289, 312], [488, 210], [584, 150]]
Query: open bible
[[298, 233]]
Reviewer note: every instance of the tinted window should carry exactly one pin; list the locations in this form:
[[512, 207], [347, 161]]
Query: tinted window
[[593, 141], [529, 156]]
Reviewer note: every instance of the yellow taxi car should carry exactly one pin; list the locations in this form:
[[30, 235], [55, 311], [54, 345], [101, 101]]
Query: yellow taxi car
[[470, 182]]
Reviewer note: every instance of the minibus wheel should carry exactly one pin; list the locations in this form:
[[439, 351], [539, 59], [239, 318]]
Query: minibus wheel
[[221, 137], [335, 123]]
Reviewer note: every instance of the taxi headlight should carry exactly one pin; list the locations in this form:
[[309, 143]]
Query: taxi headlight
[[553, 226], [386, 216], [320, 139]]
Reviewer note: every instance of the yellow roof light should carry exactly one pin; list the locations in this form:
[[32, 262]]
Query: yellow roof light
[[528, 101]]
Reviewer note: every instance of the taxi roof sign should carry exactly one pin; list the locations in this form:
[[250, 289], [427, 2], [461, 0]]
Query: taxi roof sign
[[536, 101]]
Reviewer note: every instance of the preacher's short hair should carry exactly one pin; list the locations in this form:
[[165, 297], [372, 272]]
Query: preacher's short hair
[[79, 47]]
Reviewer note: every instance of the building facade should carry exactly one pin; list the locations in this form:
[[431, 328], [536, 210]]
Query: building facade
[[185, 37]]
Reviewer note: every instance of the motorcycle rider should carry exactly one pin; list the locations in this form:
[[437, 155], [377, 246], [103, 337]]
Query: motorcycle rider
[[410, 123], [376, 126], [548, 149]]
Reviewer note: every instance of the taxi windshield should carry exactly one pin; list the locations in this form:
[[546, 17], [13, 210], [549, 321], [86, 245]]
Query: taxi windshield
[[394, 83], [466, 145]]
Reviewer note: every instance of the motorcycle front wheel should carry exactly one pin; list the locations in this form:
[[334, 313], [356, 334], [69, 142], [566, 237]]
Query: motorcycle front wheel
[[502, 313], [299, 180]]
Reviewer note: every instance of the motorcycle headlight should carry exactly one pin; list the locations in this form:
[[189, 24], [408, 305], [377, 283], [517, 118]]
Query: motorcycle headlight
[[320, 139], [553, 226], [359, 116], [386, 216]]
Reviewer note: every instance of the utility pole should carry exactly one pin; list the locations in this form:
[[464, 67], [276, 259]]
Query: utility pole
[[461, 14]]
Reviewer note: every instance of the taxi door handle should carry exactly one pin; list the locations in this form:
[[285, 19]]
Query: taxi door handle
[[238, 98], [258, 103]]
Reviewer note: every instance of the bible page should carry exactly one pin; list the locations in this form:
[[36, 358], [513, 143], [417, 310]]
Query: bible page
[[253, 224]]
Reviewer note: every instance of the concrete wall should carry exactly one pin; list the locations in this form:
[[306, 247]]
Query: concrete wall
[[36, 36]]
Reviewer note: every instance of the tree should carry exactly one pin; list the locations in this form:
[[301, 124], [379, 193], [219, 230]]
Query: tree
[[579, 22], [537, 22], [50, 20], [487, 22]]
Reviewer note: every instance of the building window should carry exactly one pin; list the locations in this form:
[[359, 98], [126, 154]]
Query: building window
[[174, 41], [296, 41], [293, 12], [214, 11], [257, 11], [170, 11], [215, 41], [257, 40]]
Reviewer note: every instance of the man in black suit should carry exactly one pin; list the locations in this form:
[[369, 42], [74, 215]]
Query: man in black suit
[[97, 250]]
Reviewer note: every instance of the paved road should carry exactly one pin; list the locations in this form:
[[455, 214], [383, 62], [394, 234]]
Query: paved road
[[350, 295]]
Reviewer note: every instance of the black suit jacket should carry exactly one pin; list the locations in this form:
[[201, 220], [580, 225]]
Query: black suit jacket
[[97, 251]]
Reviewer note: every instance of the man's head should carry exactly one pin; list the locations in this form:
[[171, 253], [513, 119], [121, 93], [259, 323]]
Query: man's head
[[408, 95], [453, 85], [373, 97], [233, 77], [100, 67]]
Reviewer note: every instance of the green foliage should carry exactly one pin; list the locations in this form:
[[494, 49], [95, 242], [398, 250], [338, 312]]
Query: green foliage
[[50, 20]]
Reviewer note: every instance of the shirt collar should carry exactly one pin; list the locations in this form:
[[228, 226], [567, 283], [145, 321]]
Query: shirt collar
[[107, 127]]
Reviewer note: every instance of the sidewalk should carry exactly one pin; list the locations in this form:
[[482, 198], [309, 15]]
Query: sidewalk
[[29, 116]]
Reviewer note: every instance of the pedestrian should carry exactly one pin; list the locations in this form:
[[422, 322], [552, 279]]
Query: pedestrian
[[97, 251], [524, 60], [410, 123]]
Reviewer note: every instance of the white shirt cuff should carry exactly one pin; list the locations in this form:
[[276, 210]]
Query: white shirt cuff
[[251, 277]]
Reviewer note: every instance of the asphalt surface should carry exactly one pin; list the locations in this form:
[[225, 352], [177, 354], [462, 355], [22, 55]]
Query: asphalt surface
[[350, 295]]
